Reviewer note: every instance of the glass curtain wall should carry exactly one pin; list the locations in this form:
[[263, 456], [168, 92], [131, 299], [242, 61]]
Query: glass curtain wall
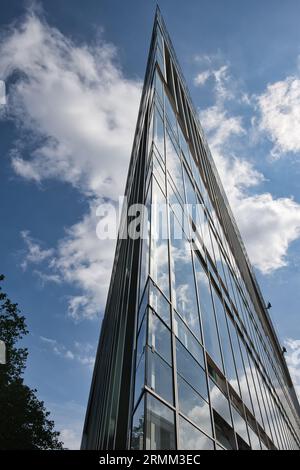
[[205, 373]]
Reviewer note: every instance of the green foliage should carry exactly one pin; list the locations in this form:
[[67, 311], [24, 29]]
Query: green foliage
[[24, 421]]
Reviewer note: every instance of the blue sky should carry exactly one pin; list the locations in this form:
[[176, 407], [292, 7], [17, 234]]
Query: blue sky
[[73, 76]]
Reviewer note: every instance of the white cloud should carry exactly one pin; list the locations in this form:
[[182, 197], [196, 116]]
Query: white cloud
[[2, 93], [78, 113], [85, 261], [268, 225], [219, 72], [202, 77], [78, 103], [83, 353], [80, 259], [34, 253], [293, 361], [45, 277], [279, 108]]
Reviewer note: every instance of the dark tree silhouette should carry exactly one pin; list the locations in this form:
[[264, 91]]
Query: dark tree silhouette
[[24, 421]]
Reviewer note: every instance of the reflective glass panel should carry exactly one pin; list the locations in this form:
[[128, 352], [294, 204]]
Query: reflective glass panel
[[208, 317], [193, 406], [160, 428], [159, 244], [139, 378], [219, 402], [137, 433], [159, 138], [240, 425], [239, 365], [159, 376], [190, 438], [224, 433], [254, 439], [159, 86], [225, 343], [143, 305], [144, 269], [160, 304], [174, 166], [171, 118], [183, 281], [160, 337], [184, 146], [190, 370], [188, 340], [160, 61], [159, 173], [141, 341]]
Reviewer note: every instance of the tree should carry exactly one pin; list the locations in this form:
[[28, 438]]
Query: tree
[[24, 420]]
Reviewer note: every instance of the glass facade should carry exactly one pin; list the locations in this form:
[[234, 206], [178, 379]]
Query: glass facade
[[204, 367]]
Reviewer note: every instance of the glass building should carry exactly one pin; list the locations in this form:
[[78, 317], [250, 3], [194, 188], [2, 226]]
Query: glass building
[[188, 357]]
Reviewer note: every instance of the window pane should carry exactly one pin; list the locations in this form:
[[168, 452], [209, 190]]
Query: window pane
[[159, 173], [219, 402], [158, 86], [159, 244], [141, 341], [160, 40], [239, 365], [177, 210], [224, 433], [171, 116], [254, 439], [184, 146], [190, 370], [160, 304], [160, 337], [150, 135], [193, 406], [240, 425], [191, 438], [144, 270], [160, 427], [160, 376], [139, 379], [207, 312], [159, 139], [174, 166], [185, 336], [160, 61], [137, 433], [251, 383], [225, 342], [183, 281], [190, 196], [143, 305]]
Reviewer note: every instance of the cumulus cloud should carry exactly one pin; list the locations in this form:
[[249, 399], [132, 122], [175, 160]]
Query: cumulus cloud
[[80, 259], [201, 77], [34, 252], [77, 113], [293, 361], [75, 101], [83, 353], [220, 76], [279, 108], [268, 225], [85, 261]]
